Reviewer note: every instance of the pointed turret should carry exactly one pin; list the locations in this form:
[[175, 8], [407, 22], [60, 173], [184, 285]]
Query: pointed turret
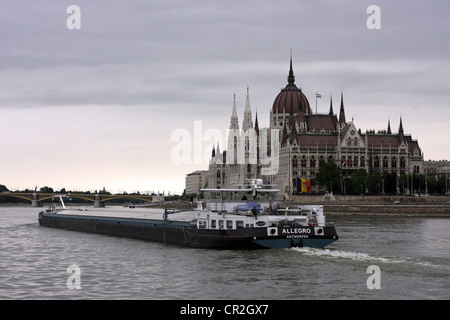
[[234, 123], [247, 123], [389, 127], [293, 133], [342, 112], [291, 77], [256, 124], [331, 106], [284, 135], [401, 134]]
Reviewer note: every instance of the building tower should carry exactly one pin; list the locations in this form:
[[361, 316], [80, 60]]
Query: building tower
[[247, 123], [234, 123]]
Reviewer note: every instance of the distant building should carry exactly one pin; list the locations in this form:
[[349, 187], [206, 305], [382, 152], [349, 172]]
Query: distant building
[[158, 198], [438, 170], [217, 169], [195, 181], [306, 140]]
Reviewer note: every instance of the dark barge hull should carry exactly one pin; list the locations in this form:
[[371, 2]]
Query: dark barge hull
[[183, 234]]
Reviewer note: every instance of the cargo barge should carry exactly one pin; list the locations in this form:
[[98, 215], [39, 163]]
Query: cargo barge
[[241, 218]]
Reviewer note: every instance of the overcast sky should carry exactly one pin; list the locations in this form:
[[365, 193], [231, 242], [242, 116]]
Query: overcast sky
[[96, 107]]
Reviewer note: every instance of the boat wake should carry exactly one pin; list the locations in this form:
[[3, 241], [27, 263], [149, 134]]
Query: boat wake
[[365, 257]]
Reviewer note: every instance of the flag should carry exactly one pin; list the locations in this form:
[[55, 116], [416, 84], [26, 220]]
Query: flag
[[344, 162], [306, 186], [318, 95]]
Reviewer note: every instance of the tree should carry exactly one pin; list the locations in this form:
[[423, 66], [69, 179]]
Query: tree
[[329, 175], [359, 182], [374, 182], [390, 183], [46, 189], [3, 188]]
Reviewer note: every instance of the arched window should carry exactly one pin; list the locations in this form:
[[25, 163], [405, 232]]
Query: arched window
[[321, 160], [402, 162], [294, 162], [376, 162], [312, 162], [394, 162], [303, 161], [385, 162]]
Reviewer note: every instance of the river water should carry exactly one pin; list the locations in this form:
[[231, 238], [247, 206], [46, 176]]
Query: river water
[[412, 255]]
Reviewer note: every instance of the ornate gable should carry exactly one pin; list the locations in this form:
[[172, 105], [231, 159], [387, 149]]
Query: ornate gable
[[351, 137]]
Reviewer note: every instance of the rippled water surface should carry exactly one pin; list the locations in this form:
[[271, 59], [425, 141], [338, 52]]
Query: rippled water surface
[[413, 255]]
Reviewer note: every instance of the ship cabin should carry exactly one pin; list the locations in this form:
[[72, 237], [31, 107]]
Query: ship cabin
[[231, 209]]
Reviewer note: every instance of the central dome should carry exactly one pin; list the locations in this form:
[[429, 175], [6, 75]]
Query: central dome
[[291, 99]]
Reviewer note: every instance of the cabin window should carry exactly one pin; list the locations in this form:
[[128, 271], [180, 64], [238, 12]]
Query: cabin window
[[201, 224], [239, 224], [229, 224], [220, 224], [213, 224]]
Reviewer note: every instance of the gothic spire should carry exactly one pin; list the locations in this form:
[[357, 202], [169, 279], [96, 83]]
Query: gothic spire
[[341, 111], [401, 135], [389, 127], [400, 129], [234, 125], [256, 124], [291, 77], [284, 135], [247, 122], [331, 106]]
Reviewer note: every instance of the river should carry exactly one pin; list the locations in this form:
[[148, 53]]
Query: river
[[376, 257]]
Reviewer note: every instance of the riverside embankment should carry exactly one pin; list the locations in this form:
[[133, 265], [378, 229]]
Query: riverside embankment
[[429, 206]]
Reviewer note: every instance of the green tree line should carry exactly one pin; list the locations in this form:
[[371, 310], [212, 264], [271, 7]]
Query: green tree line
[[376, 182], [11, 199]]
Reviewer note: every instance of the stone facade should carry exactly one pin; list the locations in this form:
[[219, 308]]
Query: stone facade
[[306, 140]]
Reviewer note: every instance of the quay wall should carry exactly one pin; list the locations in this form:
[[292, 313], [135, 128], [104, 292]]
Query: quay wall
[[436, 206], [404, 210]]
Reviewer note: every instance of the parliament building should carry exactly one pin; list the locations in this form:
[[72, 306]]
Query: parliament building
[[305, 141]]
